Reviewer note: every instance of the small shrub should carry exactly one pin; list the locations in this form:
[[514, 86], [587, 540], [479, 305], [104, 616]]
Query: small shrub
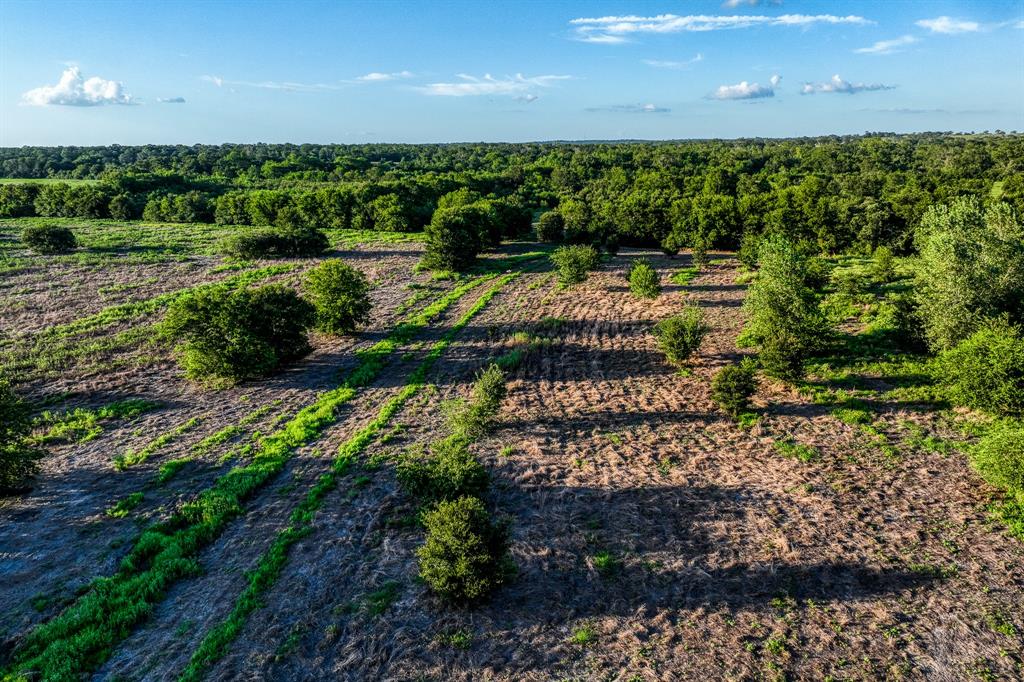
[[448, 472], [999, 457], [747, 253], [465, 555], [551, 227], [301, 241], [986, 371], [817, 272], [237, 335], [783, 355], [574, 262], [900, 315], [19, 460], [454, 237], [850, 282], [290, 242], [643, 280], [733, 386], [699, 253], [49, 239], [341, 296], [680, 336], [883, 265], [471, 419]]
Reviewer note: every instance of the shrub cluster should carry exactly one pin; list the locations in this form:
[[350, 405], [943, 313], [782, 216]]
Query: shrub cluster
[[971, 269], [784, 319], [19, 459], [883, 265], [236, 335], [680, 336], [340, 294], [733, 386], [465, 554], [551, 227], [644, 281], [999, 457], [454, 237], [986, 370], [282, 242], [574, 262], [49, 239]]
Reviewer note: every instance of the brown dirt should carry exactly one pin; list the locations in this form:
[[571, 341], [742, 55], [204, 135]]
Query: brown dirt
[[730, 560]]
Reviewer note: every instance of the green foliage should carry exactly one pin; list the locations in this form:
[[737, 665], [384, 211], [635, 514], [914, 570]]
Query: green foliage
[[125, 506], [883, 265], [455, 237], [999, 456], [449, 471], [465, 555], [19, 460], [341, 296], [749, 246], [574, 262], [281, 242], [81, 425], [472, 418], [783, 316], [900, 316], [644, 281], [551, 227], [790, 448], [732, 387], [986, 370], [971, 267], [680, 336], [49, 239], [239, 334]]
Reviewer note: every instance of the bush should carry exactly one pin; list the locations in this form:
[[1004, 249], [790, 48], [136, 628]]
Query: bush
[[999, 457], [782, 356], [643, 280], [680, 336], [551, 227], [49, 239], [19, 460], [699, 253], [883, 265], [341, 296], [850, 282], [302, 242], [472, 418], [747, 253], [986, 370], [449, 472], [454, 238], [573, 262], [900, 315], [733, 386], [971, 268], [237, 335], [295, 242], [784, 318], [465, 555]]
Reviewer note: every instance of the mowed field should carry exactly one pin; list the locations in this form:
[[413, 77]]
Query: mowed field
[[654, 538]]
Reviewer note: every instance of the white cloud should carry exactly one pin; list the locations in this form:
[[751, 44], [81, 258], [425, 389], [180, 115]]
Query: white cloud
[[838, 85], [614, 29], [745, 90], [171, 100], [489, 85], [378, 76], [632, 109], [529, 99], [887, 46], [73, 90], [949, 25], [271, 85], [733, 4], [660, 64]]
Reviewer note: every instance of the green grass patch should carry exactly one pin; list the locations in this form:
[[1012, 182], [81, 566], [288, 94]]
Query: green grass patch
[[125, 506], [134, 457], [82, 425]]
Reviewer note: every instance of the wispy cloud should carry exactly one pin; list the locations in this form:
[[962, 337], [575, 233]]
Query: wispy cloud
[[733, 4], [887, 46], [469, 86], [662, 64], [289, 86], [75, 91], [615, 29], [838, 85], [949, 25], [171, 100], [379, 76], [632, 109], [528, 99], [745, 90]]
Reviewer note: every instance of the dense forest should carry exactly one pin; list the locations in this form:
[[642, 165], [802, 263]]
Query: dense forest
[[832, 194]]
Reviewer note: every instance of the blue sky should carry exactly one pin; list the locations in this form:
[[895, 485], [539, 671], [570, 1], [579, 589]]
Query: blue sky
[[302, 71]]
